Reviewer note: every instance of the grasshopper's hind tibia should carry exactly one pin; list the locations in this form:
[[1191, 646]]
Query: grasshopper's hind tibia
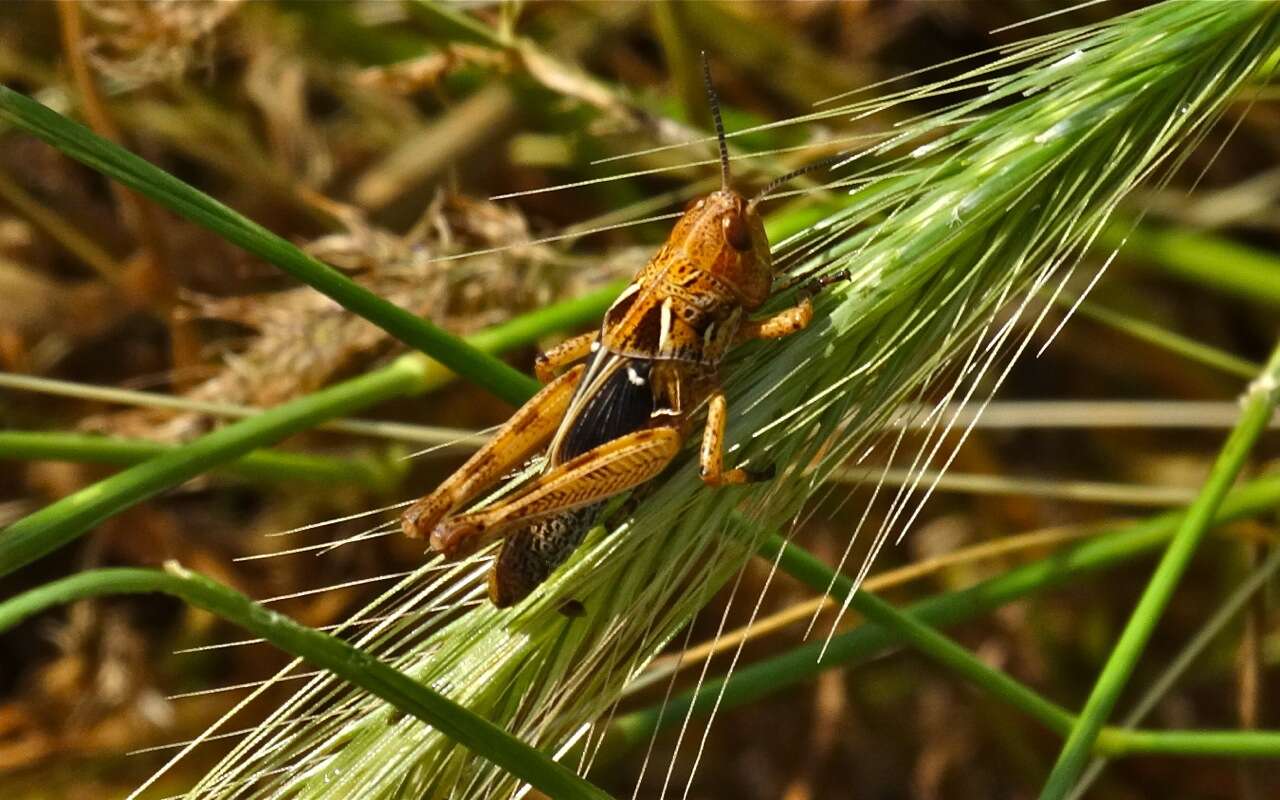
[[529, 555], [524, 434], [613, 467]]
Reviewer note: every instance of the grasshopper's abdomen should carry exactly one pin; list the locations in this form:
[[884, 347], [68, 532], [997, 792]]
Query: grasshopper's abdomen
[[530, 554]]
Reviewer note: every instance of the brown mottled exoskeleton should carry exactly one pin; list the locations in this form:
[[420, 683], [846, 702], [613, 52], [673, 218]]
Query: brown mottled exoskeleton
[[619, 412]]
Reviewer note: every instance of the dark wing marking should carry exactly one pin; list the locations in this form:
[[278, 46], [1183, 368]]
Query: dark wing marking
[[618, 311], [636, 330], [622, 404], [646, 336]]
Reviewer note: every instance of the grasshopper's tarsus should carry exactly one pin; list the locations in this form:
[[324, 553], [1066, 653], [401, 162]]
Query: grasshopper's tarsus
[[458, 536], [760, 474], [817, 284], [618, 414], [811, 286]]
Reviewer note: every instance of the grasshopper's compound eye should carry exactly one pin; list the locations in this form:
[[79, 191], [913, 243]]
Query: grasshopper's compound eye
[[735, 232]]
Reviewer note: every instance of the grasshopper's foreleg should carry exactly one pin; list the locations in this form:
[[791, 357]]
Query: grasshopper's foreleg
[[599, 473], [712, 454], [789, 320], [528, 429], [567, 352], [775, 326]]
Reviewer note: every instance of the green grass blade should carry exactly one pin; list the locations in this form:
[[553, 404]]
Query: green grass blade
[[59, 523], [115, 162], [1203, 258], [268, 465], [322, 650], [398, 431], [565, 315], [1151, 333], [807, 569], [1192, 650], [804, 567], [951, 608], [1124, 656], [1118, 742]]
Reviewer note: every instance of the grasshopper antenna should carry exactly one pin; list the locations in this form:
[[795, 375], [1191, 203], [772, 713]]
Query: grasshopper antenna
[[764, 193], [714, 101]]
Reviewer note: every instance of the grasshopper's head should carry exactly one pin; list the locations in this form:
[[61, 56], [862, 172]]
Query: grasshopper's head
[[722, 234], [728, 227]]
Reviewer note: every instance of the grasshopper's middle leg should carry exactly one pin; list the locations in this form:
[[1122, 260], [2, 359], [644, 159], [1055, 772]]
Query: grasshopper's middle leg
[[711, 455], [599, 473], [527, 430]]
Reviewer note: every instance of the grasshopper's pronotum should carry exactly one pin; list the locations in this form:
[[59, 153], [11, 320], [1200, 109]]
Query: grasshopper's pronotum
[[620, 411]]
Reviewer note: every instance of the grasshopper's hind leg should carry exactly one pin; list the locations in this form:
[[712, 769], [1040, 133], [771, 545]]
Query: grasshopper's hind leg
[[528, 429], [529, 555], [599, 473]]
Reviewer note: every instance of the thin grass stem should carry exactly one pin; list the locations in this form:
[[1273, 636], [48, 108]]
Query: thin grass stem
[[335, 655], [809, 570], [866, 641], [66, 235], [62, 521], [517, 332], [1200, 257], [1124, 656], [1183, 661], [969, 483], [1149, 332], [397, 431], [267, 465]]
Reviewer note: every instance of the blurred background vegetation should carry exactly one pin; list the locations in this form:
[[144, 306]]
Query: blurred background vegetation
[[374, 133]]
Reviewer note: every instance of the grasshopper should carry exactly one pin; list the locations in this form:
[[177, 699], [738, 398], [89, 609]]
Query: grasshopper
[[618, 402]]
